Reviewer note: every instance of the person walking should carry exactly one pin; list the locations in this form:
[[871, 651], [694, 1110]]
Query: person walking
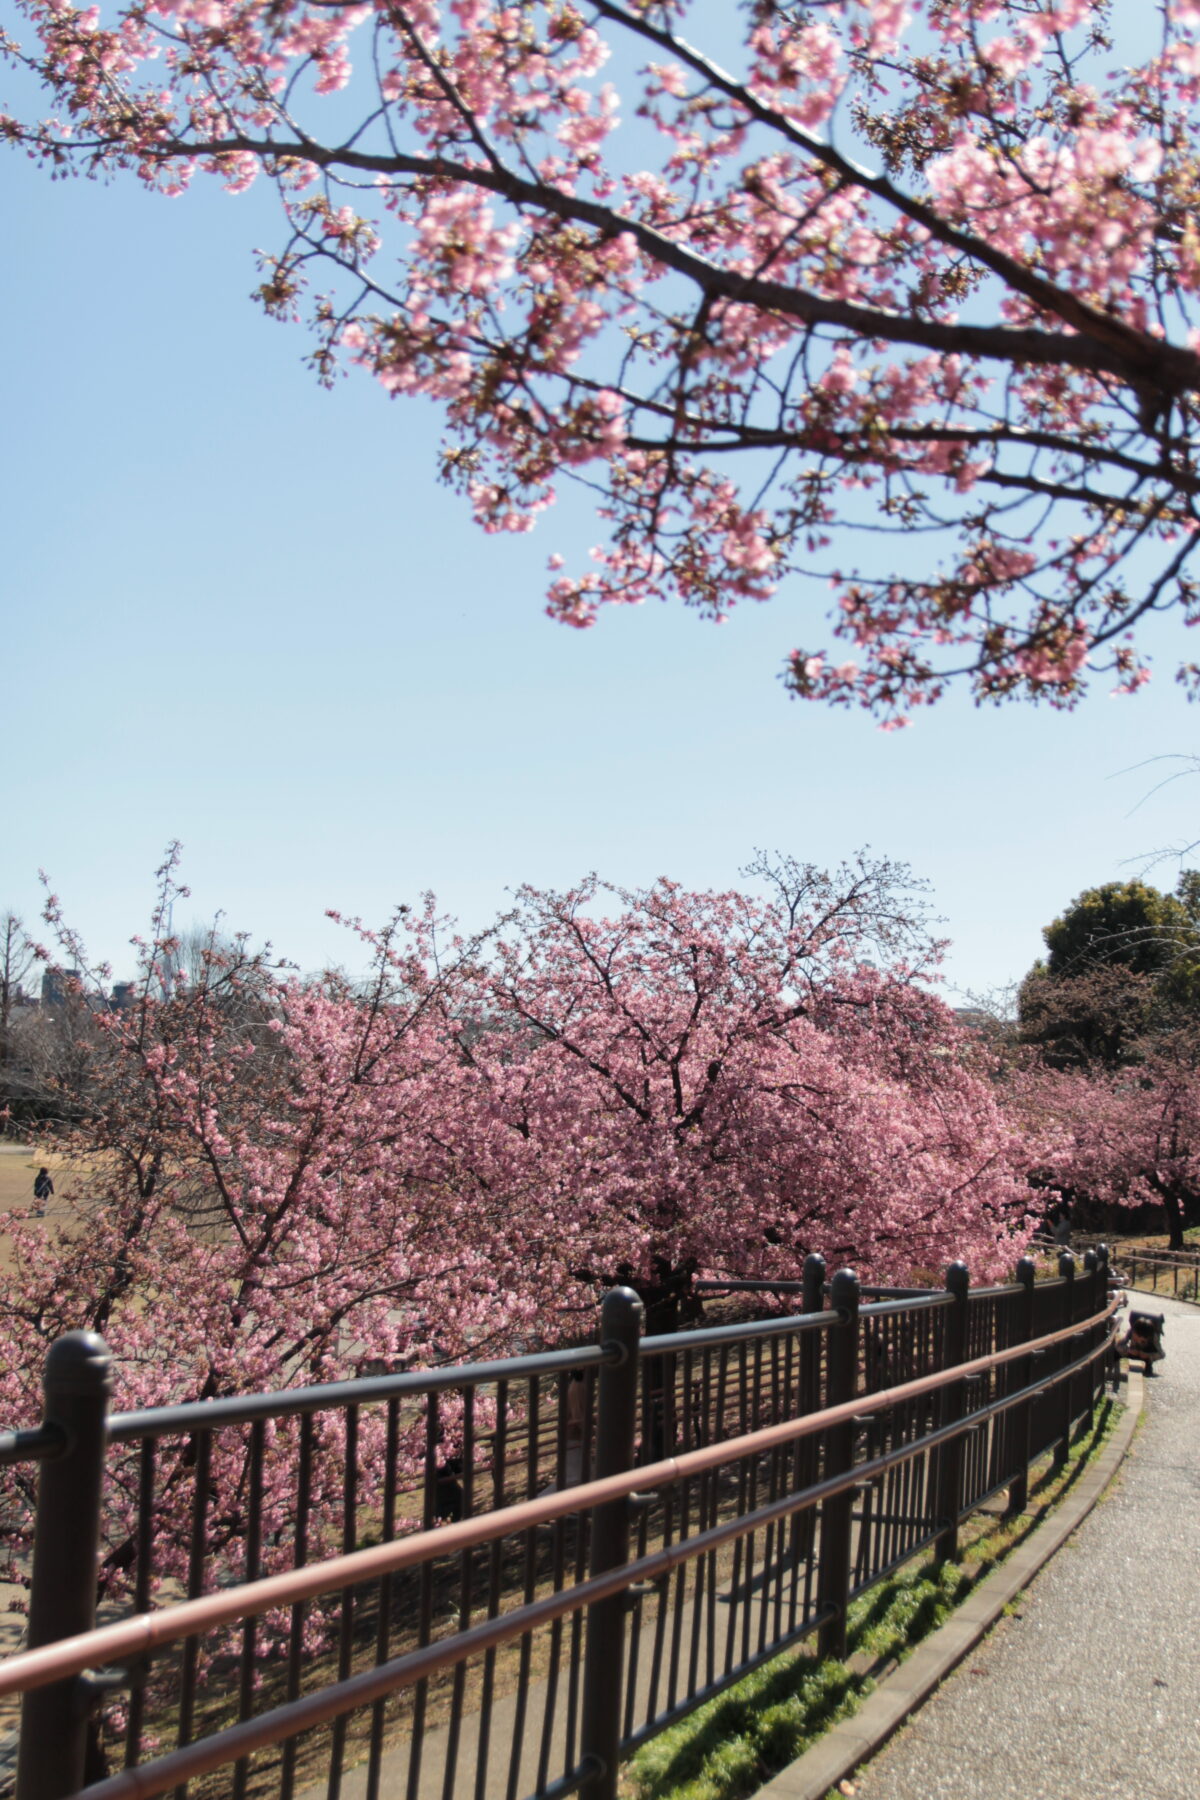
[[43, 1188]]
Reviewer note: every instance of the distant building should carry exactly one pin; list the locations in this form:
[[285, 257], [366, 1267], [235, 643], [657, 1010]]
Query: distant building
[[122, 996], [58, 985], [993, 1028]]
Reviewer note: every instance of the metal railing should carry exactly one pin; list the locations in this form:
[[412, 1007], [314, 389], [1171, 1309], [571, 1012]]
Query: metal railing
[[1161, 1272], [628, 1529], [1187, 1258]]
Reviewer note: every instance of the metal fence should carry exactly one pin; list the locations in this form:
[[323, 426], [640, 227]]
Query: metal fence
[[1163, 1272], [491, 1581], [1157, 1270]]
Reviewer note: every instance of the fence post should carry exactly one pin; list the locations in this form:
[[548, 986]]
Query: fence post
[[1112, 1362], [841, 1384], [812, 1298], [66, 1546], [604, 1657], [1091, 1262], [1022, 1376], [958, 1283], [1064, 1353]]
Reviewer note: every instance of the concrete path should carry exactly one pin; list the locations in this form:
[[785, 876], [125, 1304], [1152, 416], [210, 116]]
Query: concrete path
[[1092, 1692]]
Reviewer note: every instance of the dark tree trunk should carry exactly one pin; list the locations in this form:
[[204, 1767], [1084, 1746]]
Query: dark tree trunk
[[1173, 1207]]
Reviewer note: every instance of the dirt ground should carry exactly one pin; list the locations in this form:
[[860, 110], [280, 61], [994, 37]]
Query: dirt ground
[[1155, 1241], [17, 1170], [19, 1164]]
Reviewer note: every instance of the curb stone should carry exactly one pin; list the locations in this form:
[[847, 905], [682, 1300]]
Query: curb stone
[[910, 1683]]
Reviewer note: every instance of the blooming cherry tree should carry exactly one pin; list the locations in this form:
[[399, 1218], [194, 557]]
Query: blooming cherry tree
[[269, 1182], [896, 300], [1123, 1137], [746, 1086], [276, 1178]]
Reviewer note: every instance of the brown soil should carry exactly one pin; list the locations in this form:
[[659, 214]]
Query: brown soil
[[19, 1164]]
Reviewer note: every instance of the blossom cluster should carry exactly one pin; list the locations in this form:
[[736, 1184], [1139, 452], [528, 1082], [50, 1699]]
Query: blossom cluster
[[915, 265]]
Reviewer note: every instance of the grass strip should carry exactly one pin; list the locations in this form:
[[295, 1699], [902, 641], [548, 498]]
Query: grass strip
[[729, 1747]]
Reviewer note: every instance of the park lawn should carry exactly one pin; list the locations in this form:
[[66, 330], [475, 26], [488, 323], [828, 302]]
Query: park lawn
[[1151, 1240], [19, 1164]]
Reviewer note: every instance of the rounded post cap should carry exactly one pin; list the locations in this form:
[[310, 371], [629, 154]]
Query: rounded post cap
[[619, 1298], [79, 1362], [814, 1280], [621, 1307], [845, 1296]]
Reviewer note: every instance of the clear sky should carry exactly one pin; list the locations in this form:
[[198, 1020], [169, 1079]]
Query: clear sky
[[240, 611]]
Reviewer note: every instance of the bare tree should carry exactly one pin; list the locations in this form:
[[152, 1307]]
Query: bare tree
[[17, 959]]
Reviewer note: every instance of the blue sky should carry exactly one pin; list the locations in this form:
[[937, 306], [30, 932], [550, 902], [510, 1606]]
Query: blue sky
[[240, 611]]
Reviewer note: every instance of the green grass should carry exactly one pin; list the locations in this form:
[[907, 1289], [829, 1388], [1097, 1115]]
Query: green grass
[[730, 1746]]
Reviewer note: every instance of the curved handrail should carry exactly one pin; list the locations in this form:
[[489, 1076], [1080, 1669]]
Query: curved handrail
[[332, 1702], [147, 1631]]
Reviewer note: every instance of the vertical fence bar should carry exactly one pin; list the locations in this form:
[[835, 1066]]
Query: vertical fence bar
[[1112, 1362], [465, 1571], [299, 1558], [806, 1452], [1094, 1371], [558, 1572], [141, 1592], [1066, 1268], [530, 1559], [383, 1622], [62, 1600], [1022, 1376], [197, 1553], [420, 1691], [604, 1657], [841, 1384], [495, 1569], [337, 1749], [950, 1456], [252, 1570], [575, 1653]]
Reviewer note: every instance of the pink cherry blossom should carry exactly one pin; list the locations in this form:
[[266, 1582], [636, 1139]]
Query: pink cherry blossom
[[892, 263]]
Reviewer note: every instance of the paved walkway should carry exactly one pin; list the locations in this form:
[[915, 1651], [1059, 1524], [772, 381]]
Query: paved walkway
[[1092, 1692]]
